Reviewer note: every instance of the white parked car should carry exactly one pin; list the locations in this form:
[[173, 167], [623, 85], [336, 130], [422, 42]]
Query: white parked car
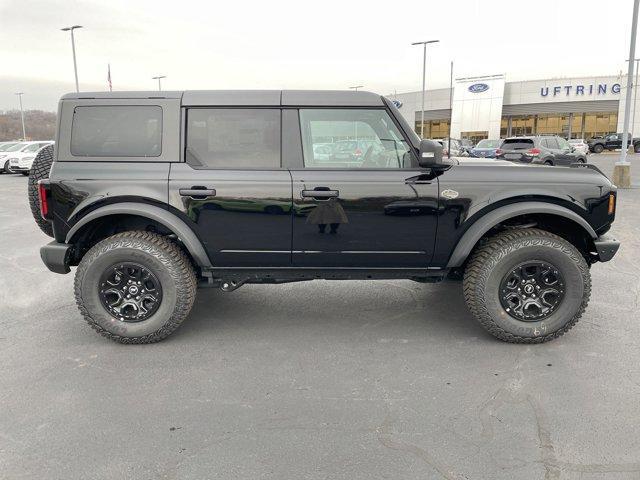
[[580, 145], [20, 160], [5, 151]]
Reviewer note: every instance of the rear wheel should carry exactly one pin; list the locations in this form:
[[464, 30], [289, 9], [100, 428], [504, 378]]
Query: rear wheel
[[135, 287], [39, 171], [527, 286], [548, 162]]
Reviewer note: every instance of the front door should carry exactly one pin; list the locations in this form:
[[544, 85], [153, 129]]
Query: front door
[[232, 189], [366, 204]]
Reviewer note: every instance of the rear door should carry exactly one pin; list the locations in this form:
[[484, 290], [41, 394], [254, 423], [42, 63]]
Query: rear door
[[232, 188], [377, 209]]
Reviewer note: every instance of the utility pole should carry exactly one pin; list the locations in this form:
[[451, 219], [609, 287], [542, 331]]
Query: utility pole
[[622, 168], [24, 133], [159, 78], [73, 49], [424, 72]]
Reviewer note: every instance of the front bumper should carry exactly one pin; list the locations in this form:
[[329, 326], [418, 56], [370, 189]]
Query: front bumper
[[55, 256], [607, 247]]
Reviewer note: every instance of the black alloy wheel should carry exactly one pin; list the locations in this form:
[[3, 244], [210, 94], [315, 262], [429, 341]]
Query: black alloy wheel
[[532, 291], [130, 292]]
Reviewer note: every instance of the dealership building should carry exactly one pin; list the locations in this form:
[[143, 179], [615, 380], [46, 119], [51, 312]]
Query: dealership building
[[491, 107]]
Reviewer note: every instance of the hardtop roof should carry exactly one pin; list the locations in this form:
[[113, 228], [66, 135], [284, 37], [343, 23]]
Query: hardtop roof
[[259, 98]]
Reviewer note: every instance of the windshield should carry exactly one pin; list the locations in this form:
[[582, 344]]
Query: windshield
[[32, 148], [16, 147], [488, 144]]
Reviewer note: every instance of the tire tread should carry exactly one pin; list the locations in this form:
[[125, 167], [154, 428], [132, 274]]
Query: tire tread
[[489, 254], [172, 256]]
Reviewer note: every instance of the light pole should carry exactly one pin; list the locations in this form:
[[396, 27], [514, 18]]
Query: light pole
[[73, 49], [356, 87], [24, 134], [622, 168], [424, 71], [159, 78], [635, 95]]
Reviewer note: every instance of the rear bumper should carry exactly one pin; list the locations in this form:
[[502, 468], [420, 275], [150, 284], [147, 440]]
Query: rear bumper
[[55, 256], [607, 247]]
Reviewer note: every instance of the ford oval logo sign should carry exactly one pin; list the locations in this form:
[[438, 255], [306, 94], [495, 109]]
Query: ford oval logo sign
[[397, 103], [478, 87]]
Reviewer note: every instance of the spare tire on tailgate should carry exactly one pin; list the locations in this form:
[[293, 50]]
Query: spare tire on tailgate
[[39, 171]]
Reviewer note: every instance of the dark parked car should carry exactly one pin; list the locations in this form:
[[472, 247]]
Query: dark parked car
[[154, 194], [612, 142], [485, 149], [540, 149]]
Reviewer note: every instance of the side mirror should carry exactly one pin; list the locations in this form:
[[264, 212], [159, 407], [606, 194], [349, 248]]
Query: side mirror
[[430, 153]]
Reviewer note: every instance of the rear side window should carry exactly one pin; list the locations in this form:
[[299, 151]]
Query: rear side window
[[517, 144], [117, 131], [233, 138]]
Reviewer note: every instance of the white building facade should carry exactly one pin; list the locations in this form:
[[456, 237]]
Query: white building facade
[[491, 107]]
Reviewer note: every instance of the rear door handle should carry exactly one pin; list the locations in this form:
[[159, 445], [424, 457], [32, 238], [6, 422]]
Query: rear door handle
[[197, 192], [320, 194]]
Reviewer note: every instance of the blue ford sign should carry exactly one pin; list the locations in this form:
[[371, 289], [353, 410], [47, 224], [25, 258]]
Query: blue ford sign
[[397, 103], [478, 87]]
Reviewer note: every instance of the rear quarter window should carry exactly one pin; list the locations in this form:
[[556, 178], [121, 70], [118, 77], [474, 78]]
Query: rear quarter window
[[117, 131]]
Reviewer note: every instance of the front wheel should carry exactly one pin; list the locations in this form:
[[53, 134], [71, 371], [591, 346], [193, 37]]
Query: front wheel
[[598, 148], [636, 147], [135, 287], [527, 286]]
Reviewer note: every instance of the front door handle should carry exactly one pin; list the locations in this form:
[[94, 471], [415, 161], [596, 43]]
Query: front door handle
[[320, 194], [197, 193]]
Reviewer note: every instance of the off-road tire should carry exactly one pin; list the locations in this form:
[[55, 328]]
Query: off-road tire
[[40, 171], [157, 253], [597, 148], [500, 254]]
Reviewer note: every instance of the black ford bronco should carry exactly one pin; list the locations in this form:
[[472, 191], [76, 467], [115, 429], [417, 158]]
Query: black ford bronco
[[152, 195]]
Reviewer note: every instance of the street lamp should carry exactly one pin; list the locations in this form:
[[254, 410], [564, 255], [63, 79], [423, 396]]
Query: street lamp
[[159, 78], [424, 70], [24, 134], [622, 168], [73, 49], [635, 95], [356, 87]]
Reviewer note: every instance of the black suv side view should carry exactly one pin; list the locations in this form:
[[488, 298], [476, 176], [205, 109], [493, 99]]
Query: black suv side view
[[540, 149], [612, 142], [154, 194]]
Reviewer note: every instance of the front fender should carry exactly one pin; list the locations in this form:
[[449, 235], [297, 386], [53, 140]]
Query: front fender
[[481, 226]]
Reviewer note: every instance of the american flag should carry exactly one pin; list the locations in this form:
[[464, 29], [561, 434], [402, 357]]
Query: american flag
[[109, 76]]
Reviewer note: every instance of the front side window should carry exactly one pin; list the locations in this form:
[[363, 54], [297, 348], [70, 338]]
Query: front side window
[[233, 137], [117, 131], [352, 138]]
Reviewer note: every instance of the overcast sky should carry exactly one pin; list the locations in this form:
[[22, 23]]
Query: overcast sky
[[323, 44]]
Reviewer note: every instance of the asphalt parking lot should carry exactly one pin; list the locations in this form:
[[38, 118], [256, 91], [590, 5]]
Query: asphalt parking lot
[[339, 380]]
